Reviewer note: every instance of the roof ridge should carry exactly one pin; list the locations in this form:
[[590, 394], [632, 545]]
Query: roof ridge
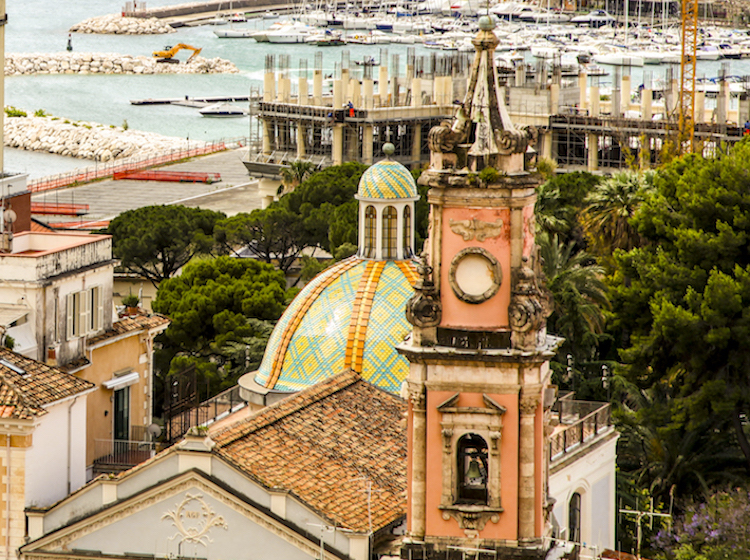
[[287, 406]]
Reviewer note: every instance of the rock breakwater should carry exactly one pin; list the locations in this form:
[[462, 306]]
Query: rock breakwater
[[115, 24], [109, 63], [87, 140]]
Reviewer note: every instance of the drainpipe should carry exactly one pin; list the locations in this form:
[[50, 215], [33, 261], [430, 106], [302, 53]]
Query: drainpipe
[[70, 428], [7, 501]]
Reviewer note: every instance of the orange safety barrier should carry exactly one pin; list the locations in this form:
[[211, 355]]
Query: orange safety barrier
[[59, 209], [168, 176]]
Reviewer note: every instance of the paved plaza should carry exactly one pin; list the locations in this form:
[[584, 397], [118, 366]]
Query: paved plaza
[[236, 192]]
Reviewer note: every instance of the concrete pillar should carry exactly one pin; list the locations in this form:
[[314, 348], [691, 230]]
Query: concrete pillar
[[268, 190], [416, 92], [301, 130], [383, 85], [269, 87], [395, 92], [318, 88], [722, 103], [368, 100], [700, 107], [594, 104], [367, 135], [554, 98], [520, 74], [547, 144], [593, 145], [625, 94], [416, 148], [284, 90], [582, 83], [356, 93], [267, 140], [338, 94], [529, 406], [304, 96], [338, 144], [646, 104]]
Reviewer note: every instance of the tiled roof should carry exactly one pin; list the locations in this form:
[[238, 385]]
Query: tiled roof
[[131, 323], [23, 395], [387, 179], [351, 316], [325, 445]]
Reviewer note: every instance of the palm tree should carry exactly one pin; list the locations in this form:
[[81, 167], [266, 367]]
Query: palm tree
[[296, 172], [609, 209], [580, 295]]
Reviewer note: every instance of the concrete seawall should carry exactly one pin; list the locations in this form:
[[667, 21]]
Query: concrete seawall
[[109, 63]]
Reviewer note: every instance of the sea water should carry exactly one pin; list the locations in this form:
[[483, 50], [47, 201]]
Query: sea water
[[39, 26]]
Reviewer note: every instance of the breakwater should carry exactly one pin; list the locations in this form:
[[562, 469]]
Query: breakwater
[[109, 63], [115, 24], [85, 140]]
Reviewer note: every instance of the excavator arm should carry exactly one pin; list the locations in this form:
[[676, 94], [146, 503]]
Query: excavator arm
[[167, 55]]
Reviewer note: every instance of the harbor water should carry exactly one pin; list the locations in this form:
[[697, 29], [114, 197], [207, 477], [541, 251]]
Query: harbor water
[[41, 26]]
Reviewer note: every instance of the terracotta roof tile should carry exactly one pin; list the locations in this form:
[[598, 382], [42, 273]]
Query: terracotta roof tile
[[131, 323], [23, 395], [324, 445]]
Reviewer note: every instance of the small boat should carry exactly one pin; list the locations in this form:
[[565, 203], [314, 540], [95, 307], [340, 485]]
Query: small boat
[[234, 33], [222, 110], [237, 17], [367, 61]]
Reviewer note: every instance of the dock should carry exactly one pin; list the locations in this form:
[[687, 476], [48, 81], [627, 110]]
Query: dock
[[193, 101]]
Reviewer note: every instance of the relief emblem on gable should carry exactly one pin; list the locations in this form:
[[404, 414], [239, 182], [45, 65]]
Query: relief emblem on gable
[[194, 519]]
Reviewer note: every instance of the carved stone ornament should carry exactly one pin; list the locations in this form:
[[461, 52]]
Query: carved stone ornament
[[528, 309], [423, 309], [472, 519], [475, 275], [476, 229], [194, 519]]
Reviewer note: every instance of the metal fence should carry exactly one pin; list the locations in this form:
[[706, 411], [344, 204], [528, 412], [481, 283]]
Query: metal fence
[[581, 421], [121, 453], [207, 412], [109, 168]]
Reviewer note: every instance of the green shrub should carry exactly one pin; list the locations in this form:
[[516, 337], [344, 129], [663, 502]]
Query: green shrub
[[40, 113], [489, 175], [11, 111]]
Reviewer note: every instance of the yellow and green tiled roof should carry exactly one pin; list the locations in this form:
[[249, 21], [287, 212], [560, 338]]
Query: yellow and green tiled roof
[[349, 316], [387, 179]]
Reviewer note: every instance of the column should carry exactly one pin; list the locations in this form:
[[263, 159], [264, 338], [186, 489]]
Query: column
[[338, 144], [418, 401], [367, 134], [528, 405], [318, 88], [303, 98], [646, 104], [593, 152]]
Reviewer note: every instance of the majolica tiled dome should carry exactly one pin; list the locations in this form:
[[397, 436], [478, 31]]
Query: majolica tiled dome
[[387, 179], [350, 316]]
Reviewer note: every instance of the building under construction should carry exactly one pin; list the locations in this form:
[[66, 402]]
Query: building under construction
[[348, 114]]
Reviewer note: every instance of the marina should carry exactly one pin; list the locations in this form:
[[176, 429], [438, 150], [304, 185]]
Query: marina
[[542, 50]]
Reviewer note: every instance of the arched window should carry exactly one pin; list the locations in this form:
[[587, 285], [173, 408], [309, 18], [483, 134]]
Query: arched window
[[472, 470], [370, 232], [407, 232], [390, 232], [574, 518]]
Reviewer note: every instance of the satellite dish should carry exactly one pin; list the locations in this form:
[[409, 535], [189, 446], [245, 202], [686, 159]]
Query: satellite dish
[[9, 216], [154, 430]]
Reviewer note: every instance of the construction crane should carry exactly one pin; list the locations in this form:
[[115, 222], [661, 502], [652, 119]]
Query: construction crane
[[686, 139], [167, 55]]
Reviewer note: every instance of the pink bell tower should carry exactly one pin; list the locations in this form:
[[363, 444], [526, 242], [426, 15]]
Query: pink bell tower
[[479, 351]]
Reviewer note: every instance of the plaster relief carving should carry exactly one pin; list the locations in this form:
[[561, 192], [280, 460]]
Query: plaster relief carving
[[194, 518], [423, 309], [476, 229]]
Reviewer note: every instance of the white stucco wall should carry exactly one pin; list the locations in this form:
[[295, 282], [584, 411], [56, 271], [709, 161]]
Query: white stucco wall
[[59, 441], [591, 473]]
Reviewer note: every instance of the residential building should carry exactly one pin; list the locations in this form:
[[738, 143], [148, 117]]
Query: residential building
[[43, 440]]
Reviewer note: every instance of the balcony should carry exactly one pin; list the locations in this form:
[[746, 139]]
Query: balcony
[[181, 418], [114, 455], [579, 423]]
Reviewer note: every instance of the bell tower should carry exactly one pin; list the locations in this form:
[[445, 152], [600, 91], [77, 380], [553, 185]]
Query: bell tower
[[479, 351]]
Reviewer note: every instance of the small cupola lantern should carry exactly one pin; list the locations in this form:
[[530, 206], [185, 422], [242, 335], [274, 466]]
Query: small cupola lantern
[[387, 193]]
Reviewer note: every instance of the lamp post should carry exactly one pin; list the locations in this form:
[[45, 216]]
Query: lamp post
[[606, 380]]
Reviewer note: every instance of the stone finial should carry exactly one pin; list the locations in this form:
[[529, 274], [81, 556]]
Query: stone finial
[[423, 309], [528, 310]]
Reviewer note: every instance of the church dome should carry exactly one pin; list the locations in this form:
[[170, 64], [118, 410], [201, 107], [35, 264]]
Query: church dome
[[387, 179], [349, 316]]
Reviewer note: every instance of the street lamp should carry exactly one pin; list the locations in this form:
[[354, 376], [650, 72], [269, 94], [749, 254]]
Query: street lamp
[[606, 380]]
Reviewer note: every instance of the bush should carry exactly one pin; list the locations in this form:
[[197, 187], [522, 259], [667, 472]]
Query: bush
[[40, 113], [11, 111]]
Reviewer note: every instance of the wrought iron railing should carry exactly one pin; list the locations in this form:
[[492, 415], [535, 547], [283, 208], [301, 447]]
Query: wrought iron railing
[[207, 412], [579, 423], [121, 453]]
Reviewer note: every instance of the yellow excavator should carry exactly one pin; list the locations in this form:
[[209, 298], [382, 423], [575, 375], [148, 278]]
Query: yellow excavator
[[167, 55]]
